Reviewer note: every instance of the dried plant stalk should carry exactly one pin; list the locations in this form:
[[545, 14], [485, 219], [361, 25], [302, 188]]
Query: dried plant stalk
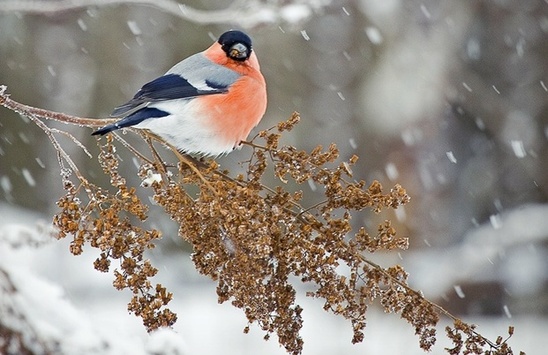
[[254, 240]]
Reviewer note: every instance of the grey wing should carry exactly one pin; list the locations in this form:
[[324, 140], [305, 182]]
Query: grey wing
[[194, 76]]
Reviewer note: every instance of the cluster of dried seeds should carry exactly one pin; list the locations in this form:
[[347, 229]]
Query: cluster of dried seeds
[[251, 239], [254, 240], [108, 221]]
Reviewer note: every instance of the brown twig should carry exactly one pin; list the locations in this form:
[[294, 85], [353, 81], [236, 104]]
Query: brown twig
[[239, 9], [28, 111], [311, 242]]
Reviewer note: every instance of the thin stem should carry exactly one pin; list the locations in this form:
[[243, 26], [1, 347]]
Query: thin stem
[[184, 160], [62, 154], [131, 148], [256, 146], [28, 111], [73, 139], [237, 10], [301, 215]]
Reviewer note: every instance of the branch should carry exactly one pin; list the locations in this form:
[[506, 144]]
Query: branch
[[245, 233], [29, 111], [246, 13]]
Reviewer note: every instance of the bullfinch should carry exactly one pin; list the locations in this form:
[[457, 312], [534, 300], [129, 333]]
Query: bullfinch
[[206, 104]]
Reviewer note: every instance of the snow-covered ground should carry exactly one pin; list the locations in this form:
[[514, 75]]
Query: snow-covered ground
[[66, 302]]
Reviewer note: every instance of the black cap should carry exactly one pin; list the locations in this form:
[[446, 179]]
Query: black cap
[[236, 45]]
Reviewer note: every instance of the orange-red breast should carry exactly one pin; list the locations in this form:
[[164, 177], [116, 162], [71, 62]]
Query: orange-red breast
[[206, 104]]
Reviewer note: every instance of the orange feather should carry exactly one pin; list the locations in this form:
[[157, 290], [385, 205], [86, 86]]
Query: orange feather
[[237, 112]]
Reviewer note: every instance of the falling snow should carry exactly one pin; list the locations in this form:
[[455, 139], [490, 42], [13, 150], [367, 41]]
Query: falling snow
[[374, 35], [507, 311], [28, 177], [134, 28], [425, 11], [5, 184], [494, 219], [82, 24], [459, 291], [473, 49], [352, 143], [447, 80], [479, 123], [391, 171], [519, 150], [400, 213], [51, 70], [24, 138], [451, 157], [520, 47], [312, 185], [40, 163]]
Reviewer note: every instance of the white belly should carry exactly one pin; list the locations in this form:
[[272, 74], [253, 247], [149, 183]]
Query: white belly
[[187, 129]]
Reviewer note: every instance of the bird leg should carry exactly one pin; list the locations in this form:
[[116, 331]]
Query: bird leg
[[147, 136], [253, 145], [183, 159]]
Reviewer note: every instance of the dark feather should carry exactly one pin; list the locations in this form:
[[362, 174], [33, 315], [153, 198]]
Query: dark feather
[[167, 87], [131, 120]]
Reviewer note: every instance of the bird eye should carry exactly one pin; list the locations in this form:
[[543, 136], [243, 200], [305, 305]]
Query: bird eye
[[238, 52]]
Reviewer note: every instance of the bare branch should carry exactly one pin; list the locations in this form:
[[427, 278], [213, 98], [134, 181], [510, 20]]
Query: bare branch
[[245, 13], [254, 240], [61, 153], [73, 139], [29, 111]]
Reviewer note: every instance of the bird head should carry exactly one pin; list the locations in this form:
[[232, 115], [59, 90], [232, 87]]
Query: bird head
[[236, 45]]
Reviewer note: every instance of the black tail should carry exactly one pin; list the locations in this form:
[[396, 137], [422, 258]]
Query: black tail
[[131, 120], [106, 129]]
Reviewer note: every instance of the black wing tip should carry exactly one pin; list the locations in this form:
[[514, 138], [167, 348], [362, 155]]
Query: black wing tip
[[104, 130], [125, 108]]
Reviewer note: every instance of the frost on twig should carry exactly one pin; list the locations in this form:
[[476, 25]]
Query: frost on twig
[[256, 241]]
